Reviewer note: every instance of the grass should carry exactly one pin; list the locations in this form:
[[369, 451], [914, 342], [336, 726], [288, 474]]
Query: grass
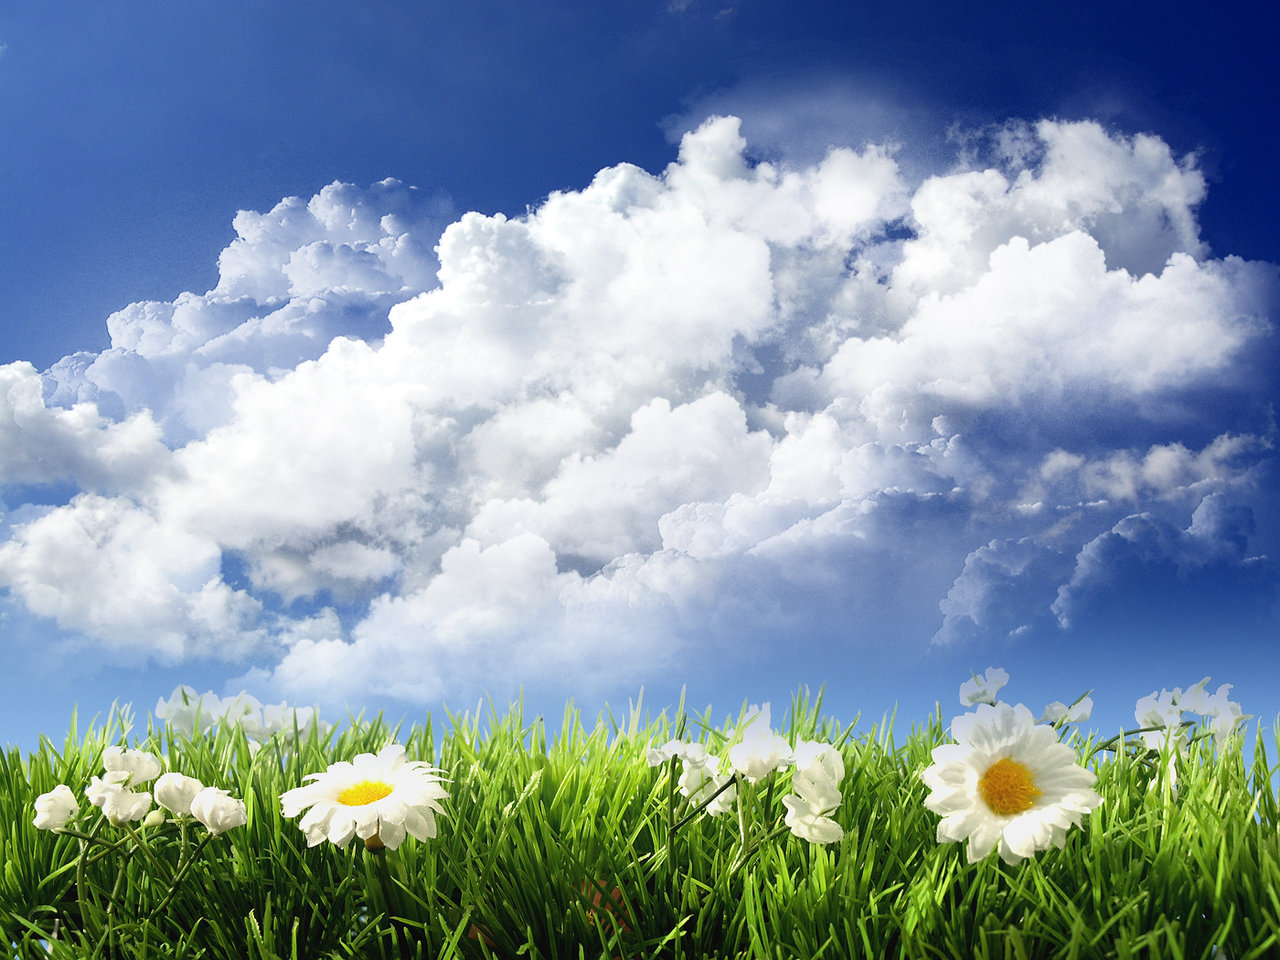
[[561, 847]]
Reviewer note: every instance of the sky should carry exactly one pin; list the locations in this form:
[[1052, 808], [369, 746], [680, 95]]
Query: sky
[[404, 354]]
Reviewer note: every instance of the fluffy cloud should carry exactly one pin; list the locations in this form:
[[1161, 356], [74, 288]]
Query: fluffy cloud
[[705, 407], [104, 567], [47, 444], [292, 280]]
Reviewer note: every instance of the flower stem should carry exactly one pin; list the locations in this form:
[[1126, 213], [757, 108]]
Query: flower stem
[[704, 804], [184, 866]]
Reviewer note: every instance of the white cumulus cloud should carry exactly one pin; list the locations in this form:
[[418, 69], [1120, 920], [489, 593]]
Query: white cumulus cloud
[[702, 408]]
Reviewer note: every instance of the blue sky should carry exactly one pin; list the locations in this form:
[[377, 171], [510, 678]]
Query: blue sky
[[405, 352]]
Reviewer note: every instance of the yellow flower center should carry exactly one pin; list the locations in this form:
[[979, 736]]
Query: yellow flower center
[[366, 791], [1007, 787]]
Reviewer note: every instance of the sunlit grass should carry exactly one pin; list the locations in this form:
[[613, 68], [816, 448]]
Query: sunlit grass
[[556, 842]]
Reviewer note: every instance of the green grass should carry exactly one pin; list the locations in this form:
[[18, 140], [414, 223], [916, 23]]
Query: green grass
[[560, 847]]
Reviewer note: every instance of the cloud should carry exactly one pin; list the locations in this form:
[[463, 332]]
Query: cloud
[[1169, 564], [1008, 586], [795, 118], [1005, 587], [104, 567], [292, 280], [657, 423], [76, 444]]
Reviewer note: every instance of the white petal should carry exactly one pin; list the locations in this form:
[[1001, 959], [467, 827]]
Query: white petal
[[341, 829]]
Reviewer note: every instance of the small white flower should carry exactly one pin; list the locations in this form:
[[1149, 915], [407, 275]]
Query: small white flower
[[1078, 712], [694, 753], [817, 761], [217, 810], [1160, 710], [816, 782], [1194, 698], [140, 766], [100, 788], [1165, 710], [1225, 713], [55, 808], [118, 803], [761, 751], [283, 719], [379, 798], [807, 823], [175, 792], [1007, 783], [1227, 717], [983, 689], [1054, 711], [701, 780], [185, 709]]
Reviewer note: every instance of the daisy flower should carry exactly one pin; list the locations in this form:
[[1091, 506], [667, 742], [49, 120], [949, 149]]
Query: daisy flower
[[1008, 783], [379, 798]]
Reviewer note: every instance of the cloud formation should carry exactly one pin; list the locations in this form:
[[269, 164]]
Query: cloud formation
[[658, 417]]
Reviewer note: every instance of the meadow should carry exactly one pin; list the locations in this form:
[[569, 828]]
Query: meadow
[[604, 841]]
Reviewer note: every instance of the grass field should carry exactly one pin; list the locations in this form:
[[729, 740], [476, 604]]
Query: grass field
[[574, 845]]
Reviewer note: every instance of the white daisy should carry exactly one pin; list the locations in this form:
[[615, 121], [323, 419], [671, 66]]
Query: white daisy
[[1007, 782], [380, 799]]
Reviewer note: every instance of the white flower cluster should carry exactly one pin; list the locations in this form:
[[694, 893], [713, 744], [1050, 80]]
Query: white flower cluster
[[983, 689], [185, 710], [1165, 710], [759, 752], [1058, 712], [701, 778], [115, 795], [816, 782]]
